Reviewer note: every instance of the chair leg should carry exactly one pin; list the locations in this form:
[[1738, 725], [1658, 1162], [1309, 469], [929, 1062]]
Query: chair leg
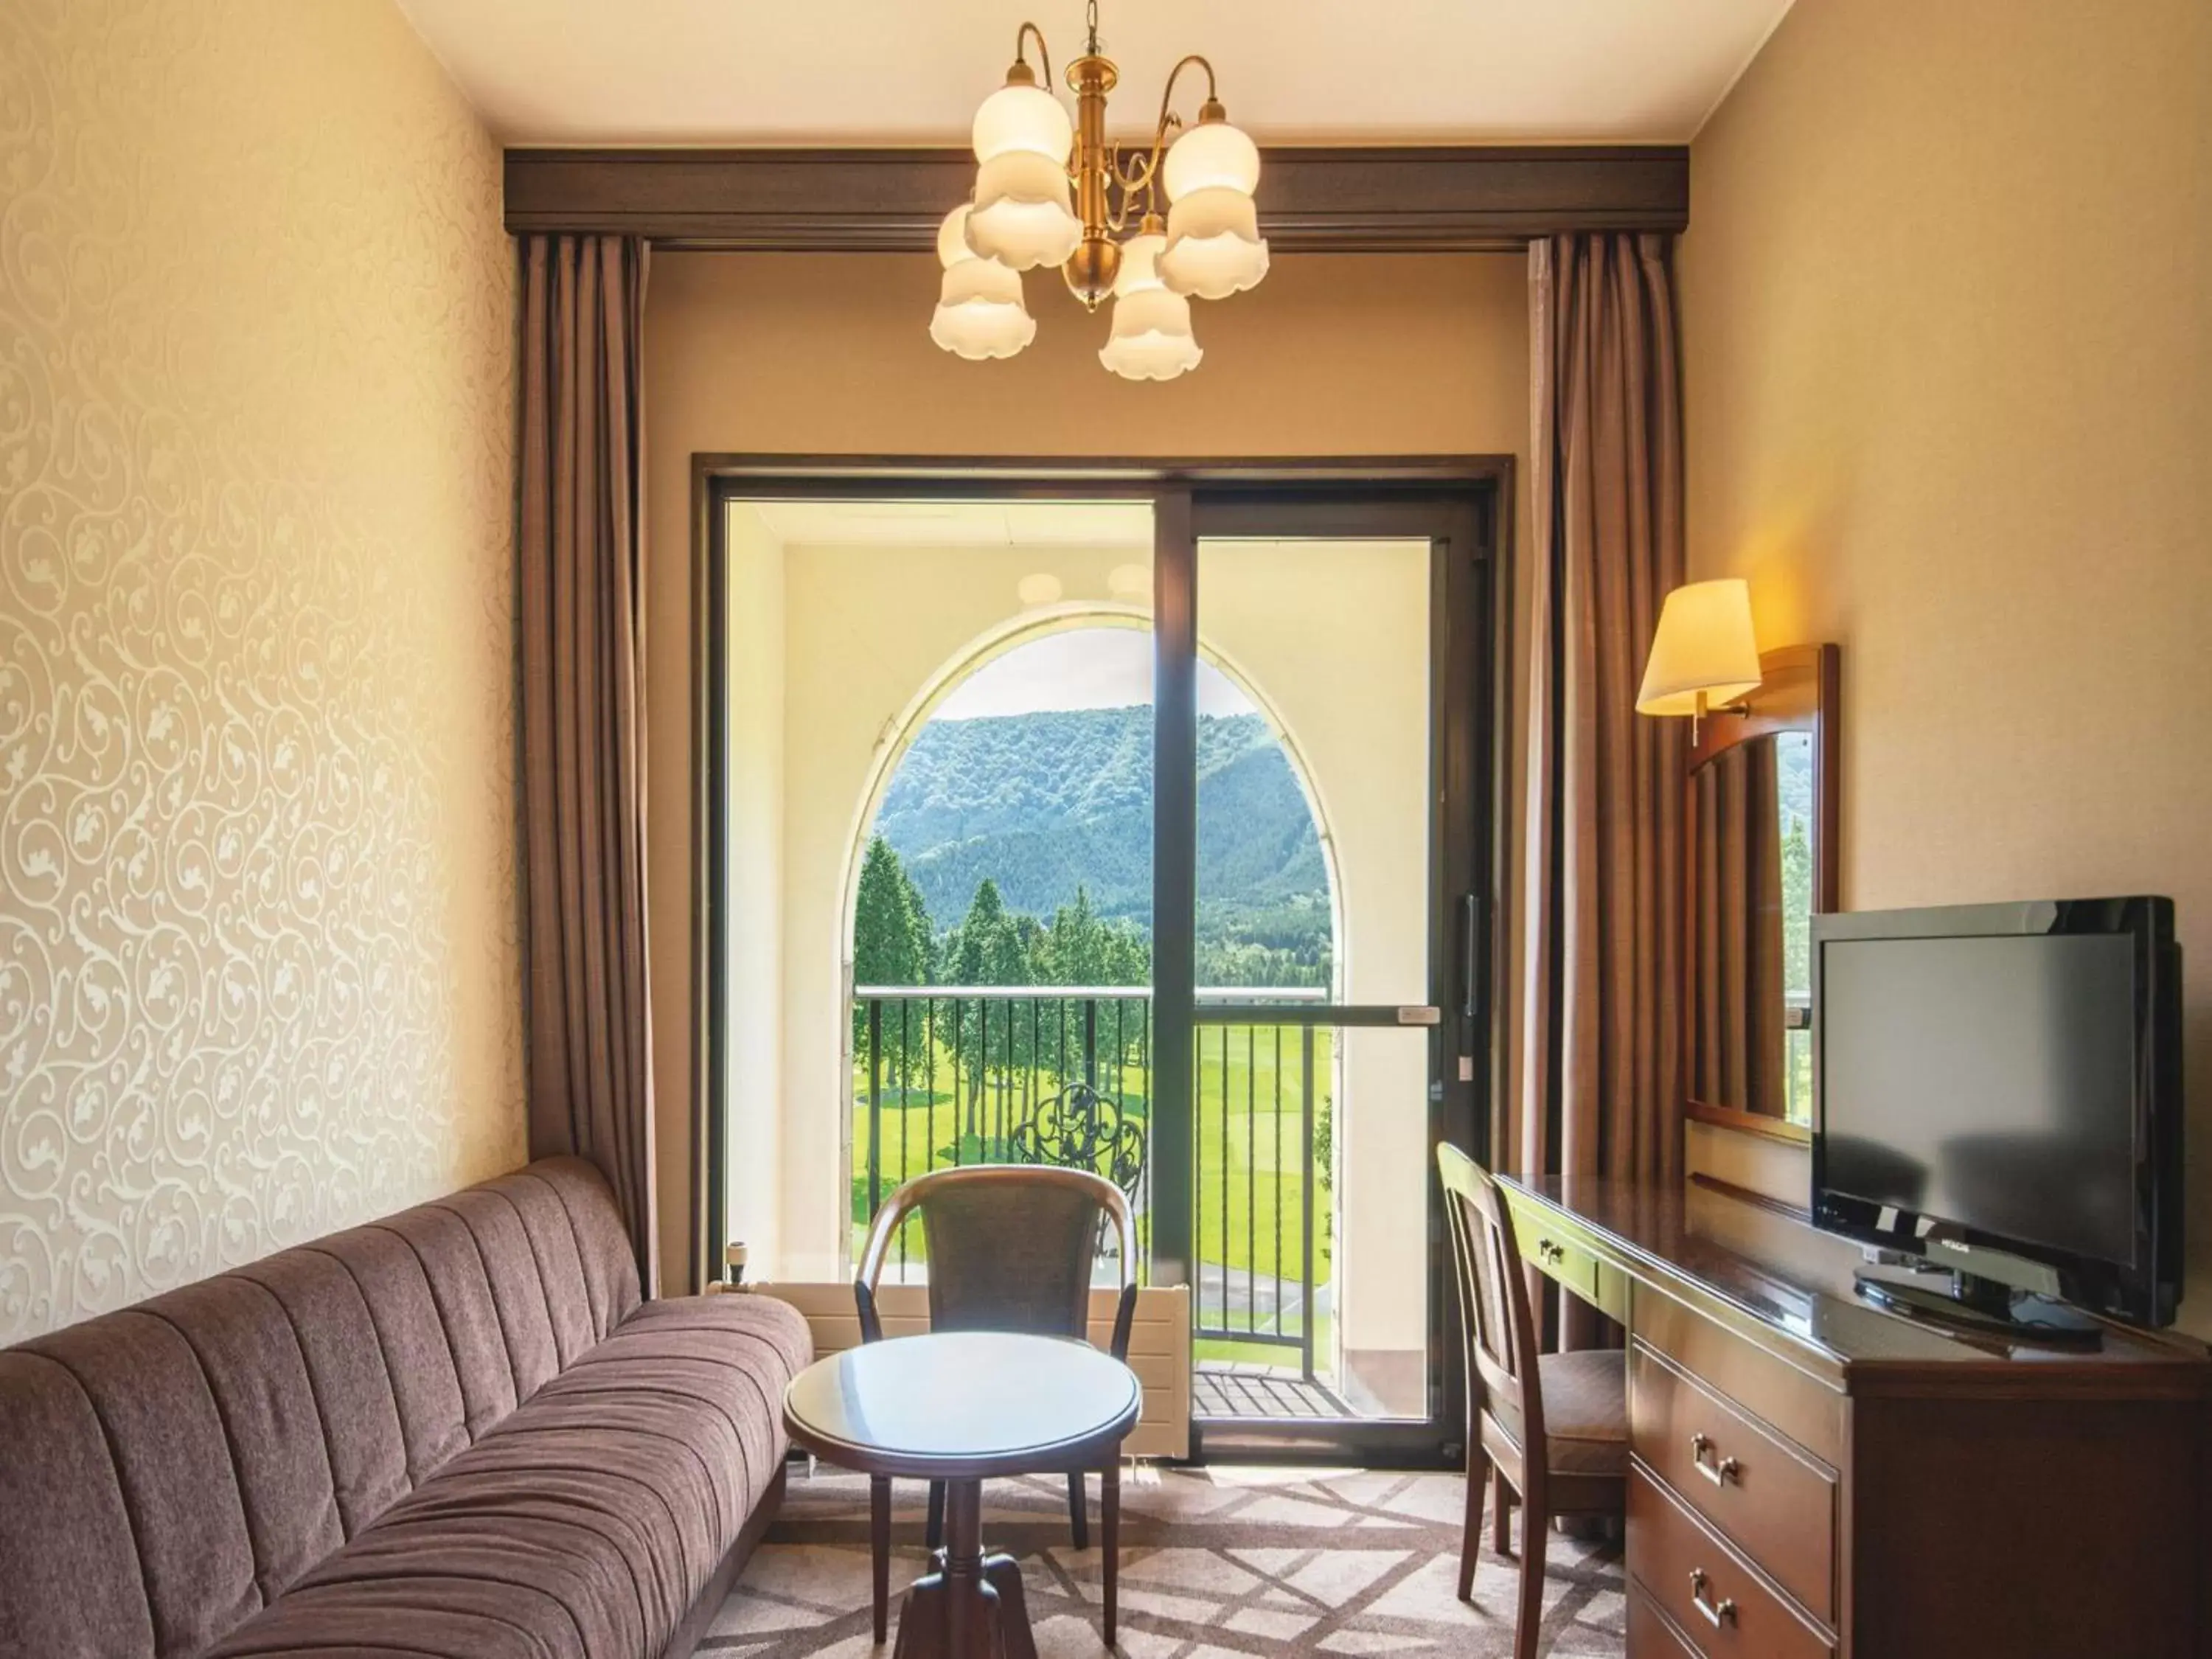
[[879, 1549], [1501, 1512], [1110, 1536], [1470, 1537], [1079, 1510], [1533, 1529], [933, 1534]]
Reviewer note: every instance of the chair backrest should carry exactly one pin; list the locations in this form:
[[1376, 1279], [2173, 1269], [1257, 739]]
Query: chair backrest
[[1493, 1299], [1011, 1247]]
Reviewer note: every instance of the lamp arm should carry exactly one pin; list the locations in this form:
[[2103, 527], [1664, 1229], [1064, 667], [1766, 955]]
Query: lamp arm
[[1168, 116], [1031, 32]]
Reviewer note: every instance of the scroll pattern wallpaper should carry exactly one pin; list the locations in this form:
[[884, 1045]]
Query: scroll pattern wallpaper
[[259, 934]]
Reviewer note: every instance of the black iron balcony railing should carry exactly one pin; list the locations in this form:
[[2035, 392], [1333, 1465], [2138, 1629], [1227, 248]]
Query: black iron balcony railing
[[950, 1075]]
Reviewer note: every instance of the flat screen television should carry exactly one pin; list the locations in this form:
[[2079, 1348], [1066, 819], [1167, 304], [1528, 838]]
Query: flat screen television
[[1997, 1097]]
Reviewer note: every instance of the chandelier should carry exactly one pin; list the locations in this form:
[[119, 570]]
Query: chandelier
[[1052, 191]]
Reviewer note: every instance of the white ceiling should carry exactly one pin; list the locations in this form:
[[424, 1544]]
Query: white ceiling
[[958, 524], [912, 71]]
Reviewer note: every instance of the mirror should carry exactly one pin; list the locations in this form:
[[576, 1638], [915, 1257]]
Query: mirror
[[1761, 844]]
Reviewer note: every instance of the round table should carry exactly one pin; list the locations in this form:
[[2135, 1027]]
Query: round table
[[962, 1407]]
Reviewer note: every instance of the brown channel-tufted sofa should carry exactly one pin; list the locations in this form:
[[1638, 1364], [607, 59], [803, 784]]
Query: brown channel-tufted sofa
[[456, 1432]]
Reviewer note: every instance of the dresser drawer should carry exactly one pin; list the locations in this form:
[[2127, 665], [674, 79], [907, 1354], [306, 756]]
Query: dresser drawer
[[1775, 1392], [1650, 1635], [1707, 1587], [1768, 1498]]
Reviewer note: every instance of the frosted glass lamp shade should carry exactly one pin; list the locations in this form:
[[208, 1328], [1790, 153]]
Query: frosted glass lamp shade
[[1212, 155], [1703, 654], [1213, 247], [1151, 338], [1024, 216], [953, 237], [1020, 118], [980, 311]]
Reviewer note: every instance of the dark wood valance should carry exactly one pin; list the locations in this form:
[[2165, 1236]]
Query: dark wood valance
[[1375, 200]]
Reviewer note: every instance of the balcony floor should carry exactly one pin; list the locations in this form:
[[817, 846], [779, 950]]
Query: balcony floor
[[1220, 1390]]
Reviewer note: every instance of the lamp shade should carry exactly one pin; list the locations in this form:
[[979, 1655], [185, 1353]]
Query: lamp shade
[[1214, 247], [1151, 338], [1704, 654], [1023, 118], [1023, 216], [1212, 155], [980, 311]]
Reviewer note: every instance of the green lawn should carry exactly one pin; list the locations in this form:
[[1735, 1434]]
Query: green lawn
[[1250, 1178]]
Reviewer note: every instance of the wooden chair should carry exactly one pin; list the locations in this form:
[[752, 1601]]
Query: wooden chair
[[1551, 1427], [1010, 1248]]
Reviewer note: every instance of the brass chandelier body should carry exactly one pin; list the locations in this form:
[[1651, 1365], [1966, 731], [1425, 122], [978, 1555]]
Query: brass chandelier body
[[1050, 191]]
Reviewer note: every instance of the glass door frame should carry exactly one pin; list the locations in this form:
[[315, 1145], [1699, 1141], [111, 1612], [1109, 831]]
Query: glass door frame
[[1460, 526], [1460, 503]]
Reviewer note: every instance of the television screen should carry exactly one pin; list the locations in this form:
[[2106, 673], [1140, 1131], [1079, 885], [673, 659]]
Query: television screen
[[1989, 1081]]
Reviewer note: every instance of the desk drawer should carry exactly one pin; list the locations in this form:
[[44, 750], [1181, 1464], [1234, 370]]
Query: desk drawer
[[1544, 1243], [1765, 1495], [1650, 1635], [1803, 1407], [1705, 1587]]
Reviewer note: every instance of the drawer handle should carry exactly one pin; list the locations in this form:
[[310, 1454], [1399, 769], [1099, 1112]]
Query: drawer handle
[[1721, 1473], [1547, 1251], [1716, 1613]]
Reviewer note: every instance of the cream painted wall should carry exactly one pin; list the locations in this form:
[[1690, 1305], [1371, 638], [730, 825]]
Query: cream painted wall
[[260, 958], [1948, 353], [796, 355]]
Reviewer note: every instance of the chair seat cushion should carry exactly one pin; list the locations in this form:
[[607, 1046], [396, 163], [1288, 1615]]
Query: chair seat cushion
[[587, 1522], [1586, 1410]]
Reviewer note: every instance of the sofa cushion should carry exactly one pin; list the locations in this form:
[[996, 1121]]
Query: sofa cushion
[[72, 1585], [171, 1469], [589, 1520]]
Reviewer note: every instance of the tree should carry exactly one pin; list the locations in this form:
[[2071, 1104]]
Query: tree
[[890, 946]]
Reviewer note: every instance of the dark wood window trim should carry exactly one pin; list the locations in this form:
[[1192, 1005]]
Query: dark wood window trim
[[1396, 199]]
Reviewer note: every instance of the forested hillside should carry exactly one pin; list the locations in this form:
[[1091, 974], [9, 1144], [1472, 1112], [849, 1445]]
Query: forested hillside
[[1042, 804]]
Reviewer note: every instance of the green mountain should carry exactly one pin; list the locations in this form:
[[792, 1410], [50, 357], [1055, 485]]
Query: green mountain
[[1042, 803]]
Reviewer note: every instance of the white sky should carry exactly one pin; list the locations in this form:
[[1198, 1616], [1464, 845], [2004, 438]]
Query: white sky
[[1083, 668]]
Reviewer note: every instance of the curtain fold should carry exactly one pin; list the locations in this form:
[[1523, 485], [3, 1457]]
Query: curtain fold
[[1601, 976], [581, 547]]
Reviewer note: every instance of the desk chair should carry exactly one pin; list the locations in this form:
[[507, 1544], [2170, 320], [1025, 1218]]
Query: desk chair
[[1551, 1427]]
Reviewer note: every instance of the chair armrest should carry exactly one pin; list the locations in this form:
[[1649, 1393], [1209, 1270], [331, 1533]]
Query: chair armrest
[[1124, 1316]]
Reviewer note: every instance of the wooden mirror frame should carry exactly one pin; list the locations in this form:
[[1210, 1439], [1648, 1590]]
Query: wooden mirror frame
[[1799, 690]]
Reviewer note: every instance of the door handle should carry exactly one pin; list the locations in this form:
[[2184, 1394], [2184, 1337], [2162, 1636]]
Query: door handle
[[1470, 946]]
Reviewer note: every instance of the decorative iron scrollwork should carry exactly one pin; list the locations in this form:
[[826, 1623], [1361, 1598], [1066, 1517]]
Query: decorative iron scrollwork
[[1079, 1128]]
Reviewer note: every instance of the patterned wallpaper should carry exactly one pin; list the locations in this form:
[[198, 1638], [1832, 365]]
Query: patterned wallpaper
[[259, 965]]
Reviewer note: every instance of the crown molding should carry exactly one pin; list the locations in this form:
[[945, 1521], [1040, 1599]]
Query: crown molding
[[1424, 199]]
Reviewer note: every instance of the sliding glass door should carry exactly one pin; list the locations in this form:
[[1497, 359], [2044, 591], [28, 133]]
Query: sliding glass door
[[1322, 899]]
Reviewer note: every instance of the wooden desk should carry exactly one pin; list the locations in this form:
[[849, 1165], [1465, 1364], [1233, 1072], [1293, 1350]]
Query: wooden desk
[[1811, 1476]]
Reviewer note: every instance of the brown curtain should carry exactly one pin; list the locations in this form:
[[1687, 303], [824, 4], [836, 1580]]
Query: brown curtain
[[1601, 1060], [1735, 968], [580, 543]]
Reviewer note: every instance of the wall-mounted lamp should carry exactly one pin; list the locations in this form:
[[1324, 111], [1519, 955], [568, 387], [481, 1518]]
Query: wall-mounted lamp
[[1704, 656]]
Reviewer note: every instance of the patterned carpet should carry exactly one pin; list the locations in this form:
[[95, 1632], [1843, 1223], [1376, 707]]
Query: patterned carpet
[[1216, 1563]]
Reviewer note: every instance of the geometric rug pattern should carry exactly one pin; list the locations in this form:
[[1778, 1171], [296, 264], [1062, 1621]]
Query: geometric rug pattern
[[1220, 1563]]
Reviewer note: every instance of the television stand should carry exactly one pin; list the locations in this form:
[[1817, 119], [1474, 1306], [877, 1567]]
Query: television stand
[[1968, 1302]]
